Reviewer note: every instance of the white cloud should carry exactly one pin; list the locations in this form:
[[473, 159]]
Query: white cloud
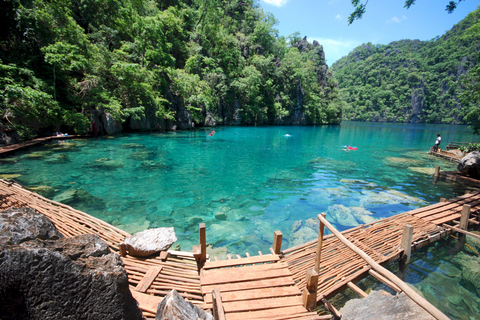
[[333, 1], [394, 19], [336, 48], [276, 3], [338, 17], [397, 20]]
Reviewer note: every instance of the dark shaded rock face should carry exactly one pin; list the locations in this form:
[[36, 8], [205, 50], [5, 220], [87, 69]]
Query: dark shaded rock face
[[8, 137], [470, 164], [174, 307], [70, 278], [18, 225], [381, 305]]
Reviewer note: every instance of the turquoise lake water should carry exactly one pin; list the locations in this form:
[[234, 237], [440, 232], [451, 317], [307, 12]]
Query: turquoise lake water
[[244, 182]]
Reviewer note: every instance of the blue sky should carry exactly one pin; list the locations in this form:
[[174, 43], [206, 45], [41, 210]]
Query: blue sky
[[385, 21]]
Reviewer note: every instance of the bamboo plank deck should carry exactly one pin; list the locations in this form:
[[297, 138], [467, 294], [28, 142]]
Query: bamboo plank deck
[[6, 150]]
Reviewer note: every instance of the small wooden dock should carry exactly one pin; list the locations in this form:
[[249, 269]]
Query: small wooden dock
[[277, 285]]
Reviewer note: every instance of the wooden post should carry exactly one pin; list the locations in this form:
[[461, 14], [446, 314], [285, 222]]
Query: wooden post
[[200, 250], [218, 311], [277, 242], [122, 249], [437, 171], [407, 242], [443, 200], [203, 242], [319, 243], [465, 216], [309, 293]]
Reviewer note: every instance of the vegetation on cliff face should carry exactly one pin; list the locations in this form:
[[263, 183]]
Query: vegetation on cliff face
[[414, 81], [155, 65]]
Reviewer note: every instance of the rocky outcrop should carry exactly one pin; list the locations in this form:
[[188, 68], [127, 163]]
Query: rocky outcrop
[[18, 225], [8, 137], [174, 307], [69, 278], [381, 305], [470, 164], [150, 241]]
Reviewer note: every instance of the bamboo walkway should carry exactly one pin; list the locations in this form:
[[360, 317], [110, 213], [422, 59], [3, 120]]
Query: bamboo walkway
[[7, 150], [256, 287]]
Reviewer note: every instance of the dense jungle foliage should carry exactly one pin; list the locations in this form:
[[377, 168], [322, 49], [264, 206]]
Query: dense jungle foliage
[[434, 81], [181, 63]]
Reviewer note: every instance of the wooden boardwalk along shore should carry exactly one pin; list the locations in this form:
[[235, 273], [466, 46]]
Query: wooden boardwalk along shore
[[279, 285]]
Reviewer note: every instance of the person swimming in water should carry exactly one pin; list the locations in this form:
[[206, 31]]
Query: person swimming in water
[[212, 133]]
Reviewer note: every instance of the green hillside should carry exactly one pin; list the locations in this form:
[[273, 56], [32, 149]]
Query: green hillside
[[412, 80], [155, 65]]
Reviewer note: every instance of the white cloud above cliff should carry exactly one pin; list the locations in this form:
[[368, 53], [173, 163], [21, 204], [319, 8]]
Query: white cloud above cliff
[[336, 48], [338, 17], [276, 3]]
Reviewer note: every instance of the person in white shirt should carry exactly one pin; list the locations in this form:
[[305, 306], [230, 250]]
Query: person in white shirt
[[437, 143]]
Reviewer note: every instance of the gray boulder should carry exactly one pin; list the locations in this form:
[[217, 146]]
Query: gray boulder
[[69, 278], [470, 164], [18, 225], [174, 307], [150, 241], [381, 305]]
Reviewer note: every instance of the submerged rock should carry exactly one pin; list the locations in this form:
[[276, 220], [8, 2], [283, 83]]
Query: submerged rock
[[301, 236], [9, 176], [150, 241], [424, 170], [46, 191], [105, 164], [75, 197], [174, 307], [341, 215], [58, 158]]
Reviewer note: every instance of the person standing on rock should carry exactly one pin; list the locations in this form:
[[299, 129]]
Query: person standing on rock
[[437, 143]]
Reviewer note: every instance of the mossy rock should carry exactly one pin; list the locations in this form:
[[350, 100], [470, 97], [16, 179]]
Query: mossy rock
[[105, 164], [46, 191], [133, 146], [75, 197], [10, 176], [58, 158], [142, 155], [154, 165], [38, 155]]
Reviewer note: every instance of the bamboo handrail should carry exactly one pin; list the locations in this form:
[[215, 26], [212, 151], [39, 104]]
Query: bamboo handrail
[[387, 274]]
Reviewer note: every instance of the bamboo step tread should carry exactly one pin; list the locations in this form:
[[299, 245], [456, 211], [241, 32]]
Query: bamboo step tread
[[243, 276], [241, 261], [146, 302], [248, 285], [267, 314], [256, 294]]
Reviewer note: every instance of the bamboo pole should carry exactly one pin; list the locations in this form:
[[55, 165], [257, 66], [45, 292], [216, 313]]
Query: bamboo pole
[[384, 272], [319, 243]]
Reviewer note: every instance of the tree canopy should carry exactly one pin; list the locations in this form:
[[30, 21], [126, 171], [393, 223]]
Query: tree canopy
[[432, 81], [165, 62]]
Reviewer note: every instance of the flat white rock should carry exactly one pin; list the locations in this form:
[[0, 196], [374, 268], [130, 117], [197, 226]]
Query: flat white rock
[[150, 241]]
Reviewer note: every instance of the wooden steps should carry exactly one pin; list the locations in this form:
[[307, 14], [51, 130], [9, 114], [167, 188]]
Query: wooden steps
[[254, 291]]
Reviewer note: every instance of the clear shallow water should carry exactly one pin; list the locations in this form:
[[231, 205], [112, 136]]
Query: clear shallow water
[[247, 182], [244, 182]]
